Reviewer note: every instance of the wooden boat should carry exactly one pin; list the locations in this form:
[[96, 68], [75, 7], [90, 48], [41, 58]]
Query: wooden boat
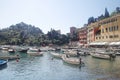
[[117, 51], [71, 60], [57, 55], [10, 57], [71, 52], [3, 62], [23, 50], [5, 48], [34, 52], [11, 50], [82, 53], [103, 55]]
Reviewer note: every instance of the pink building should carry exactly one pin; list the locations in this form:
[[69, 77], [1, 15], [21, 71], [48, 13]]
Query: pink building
[[83, 35]]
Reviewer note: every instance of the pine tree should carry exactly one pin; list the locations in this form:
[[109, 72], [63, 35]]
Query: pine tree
[[106, 13]]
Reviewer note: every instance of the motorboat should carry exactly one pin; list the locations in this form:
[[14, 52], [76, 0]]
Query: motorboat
[[23, 50], [71, 60], [57, 55], [34, 52], [3, 62], [103, 54], [5, 48], [117, 51], [71, 52], [10, 57], [11, 50]]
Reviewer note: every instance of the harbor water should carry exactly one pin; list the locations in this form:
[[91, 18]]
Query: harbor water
[[48, 68]]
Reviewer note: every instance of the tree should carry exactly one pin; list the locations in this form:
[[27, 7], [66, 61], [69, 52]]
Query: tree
[[101, 17], [56, 38], [106, 13], [91, 20], [74, 36], [118, 9]]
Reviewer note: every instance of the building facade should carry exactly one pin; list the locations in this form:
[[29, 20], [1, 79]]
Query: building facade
[[109, 30], [91, 30], [82, 35], [106, 30], [72, 30]]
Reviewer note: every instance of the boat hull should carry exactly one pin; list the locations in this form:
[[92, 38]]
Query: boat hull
[[74, 61], [3, 62], [35, 53], [57, 55], [100, 56]]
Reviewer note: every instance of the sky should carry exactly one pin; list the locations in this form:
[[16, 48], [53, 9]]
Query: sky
[[55, 14]]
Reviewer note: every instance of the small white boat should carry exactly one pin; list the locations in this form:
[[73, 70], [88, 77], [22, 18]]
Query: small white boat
[[117, 51], [71, 52], [10, 57], [23, 50], [34, 52], [5, 48], [11, 50], [103, 55], [71, 60], [57, 55]]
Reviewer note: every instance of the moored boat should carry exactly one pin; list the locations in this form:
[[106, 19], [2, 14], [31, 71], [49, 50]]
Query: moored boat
[[117, 51], [23, 50], [34, 52], [103, 55], [71, 52], [10, 57], [3, 62], [57, 55], [71, 60], [5, 48], [11, 50]]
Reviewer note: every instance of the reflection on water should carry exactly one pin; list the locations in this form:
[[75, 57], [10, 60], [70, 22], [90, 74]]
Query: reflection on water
[[46, 68], [3, 67]]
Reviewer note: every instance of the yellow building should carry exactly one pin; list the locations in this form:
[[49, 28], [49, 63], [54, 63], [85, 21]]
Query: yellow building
[[109, 30], [106, 30]]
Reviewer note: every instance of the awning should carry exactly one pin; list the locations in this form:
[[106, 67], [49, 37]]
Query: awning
[[114, 43], [98, 43]]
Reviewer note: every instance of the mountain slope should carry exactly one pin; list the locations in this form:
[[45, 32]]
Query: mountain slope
[[20, 34]]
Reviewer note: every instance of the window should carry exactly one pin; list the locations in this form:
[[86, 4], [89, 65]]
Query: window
[[110, 36], [102, 37], [110, 29], [106, 29], [102, 30], [106, 36], [117, 27], [115, 36], [99, 37], [96, 38], [114, 28]]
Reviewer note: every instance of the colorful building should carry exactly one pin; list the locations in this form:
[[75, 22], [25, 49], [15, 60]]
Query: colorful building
[[91, 29], [106, 30], [109, 29], [82, 35]]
